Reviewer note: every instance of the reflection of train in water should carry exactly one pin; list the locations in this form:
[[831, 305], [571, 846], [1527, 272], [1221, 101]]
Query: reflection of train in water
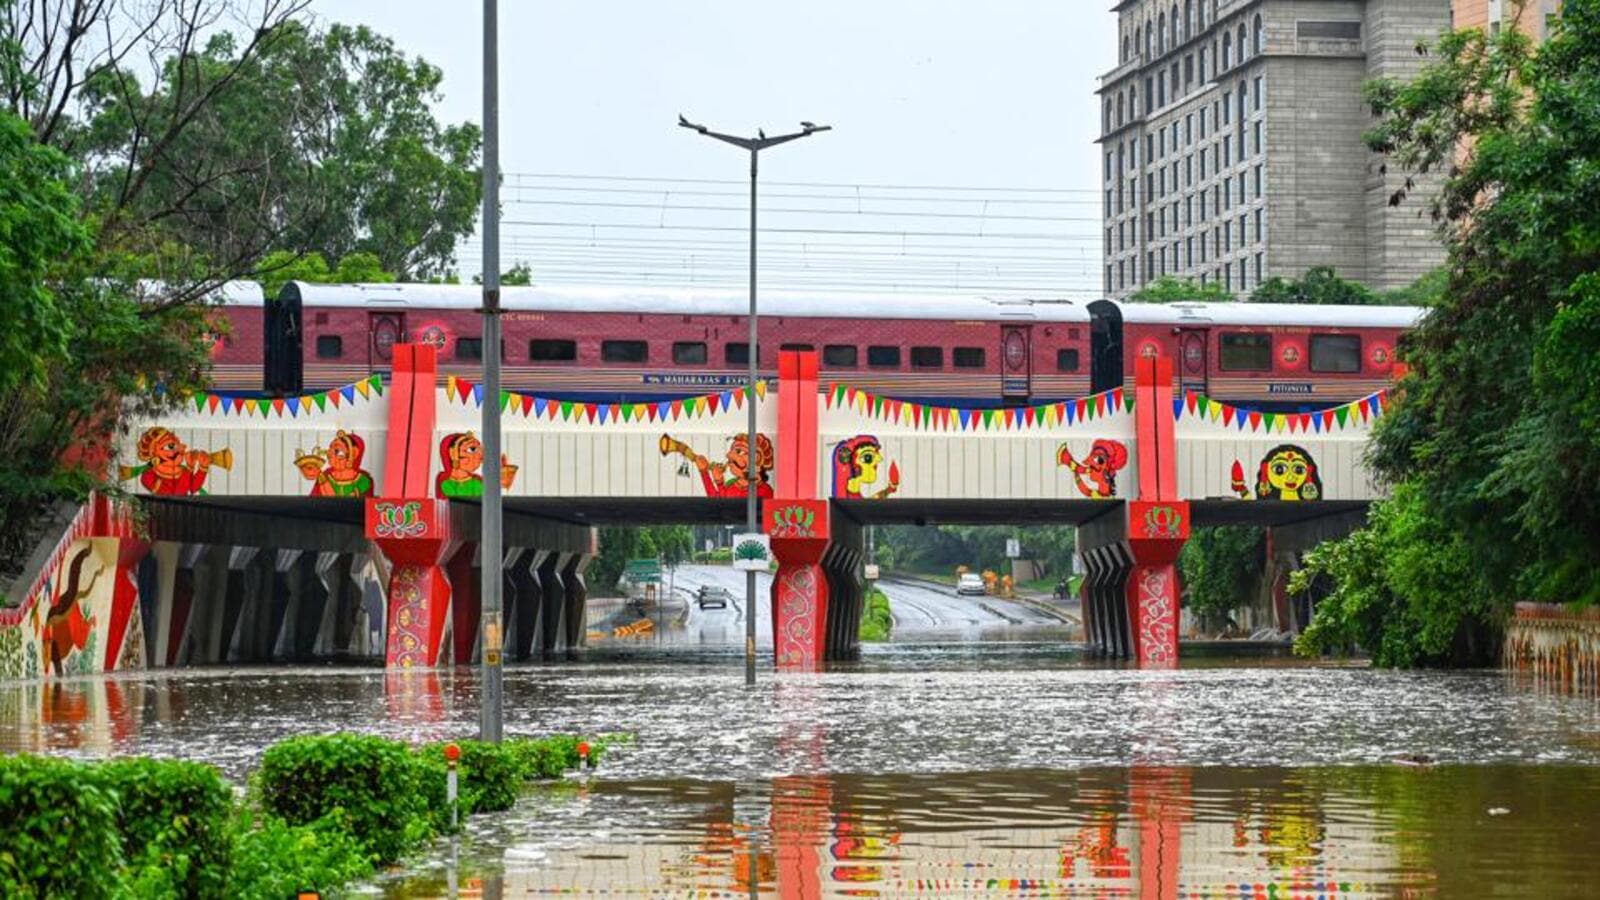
[[613, 345]]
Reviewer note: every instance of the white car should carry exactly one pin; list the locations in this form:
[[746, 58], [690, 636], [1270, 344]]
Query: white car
[[970, 583]]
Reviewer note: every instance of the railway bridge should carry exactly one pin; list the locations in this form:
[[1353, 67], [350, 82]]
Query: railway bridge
[[344, 522]]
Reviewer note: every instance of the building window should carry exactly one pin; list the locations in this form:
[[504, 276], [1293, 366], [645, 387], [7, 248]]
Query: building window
[[1067, 360], [883, 357], [689, 353], [1259, 37], [839, 356], [469, 348], [1245, 351], [1261, 228], [1227, 54], [737, 354], [1258, 137], [1260, 83], [329, 346], [973, 357], [625, 351], [1258, 268], [927, 357], [546, 350], [1227, 276], [1335, 353]]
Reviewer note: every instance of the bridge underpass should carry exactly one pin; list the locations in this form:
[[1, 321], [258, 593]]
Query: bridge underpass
[[367, 539]]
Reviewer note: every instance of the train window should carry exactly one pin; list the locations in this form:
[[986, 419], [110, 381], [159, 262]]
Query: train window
[[803, 348], [1336, 353], [625, 351], [689, 353], [738, 354], [545, 350], [967, 357], [883, 357], [839, 356], [927, 357], [1067, 360], [469, 348], [1243, 352], [329, 346]]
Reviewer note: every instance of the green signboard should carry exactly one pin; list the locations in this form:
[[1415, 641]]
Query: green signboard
[[640, 571]]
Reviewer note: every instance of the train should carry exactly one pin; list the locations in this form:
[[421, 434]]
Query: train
[[628, 346]]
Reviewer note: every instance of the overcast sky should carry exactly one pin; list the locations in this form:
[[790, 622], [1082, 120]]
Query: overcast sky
[[985, 93]]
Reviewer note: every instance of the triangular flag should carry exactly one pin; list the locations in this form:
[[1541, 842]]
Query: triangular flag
[[364, 388], [566, 410], [1271, 419], [662, 410], [277, 406], [377, 384], [966, 416], [211, 400], [1204, 404], [1316, 422], [627, 412], [321, 400], [1227, 415], [1116, 398], [677, 409], [1177, 407], [604, 411], [349, 393], [1327, 420], [1342, 414], [505, 400], [477, 395], [450, 387], [1255, 420], [527, 404], [199, 402], [761, 390]]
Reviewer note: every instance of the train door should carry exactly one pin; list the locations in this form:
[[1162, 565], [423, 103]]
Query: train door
[[1016, 364], [1106, 365], [384, 330], [1194, 358], [281, 329]]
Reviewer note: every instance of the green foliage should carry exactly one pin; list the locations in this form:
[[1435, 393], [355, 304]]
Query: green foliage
[[1221, 567], [39, 232], [672, 544], [876, 621], [1491, 444], [273, 860], [1407, 589], [173, 817], [58, 830], [490, 777], [940, 549], [1168, 289], [1320, 285], [282, 267], [370, 785]]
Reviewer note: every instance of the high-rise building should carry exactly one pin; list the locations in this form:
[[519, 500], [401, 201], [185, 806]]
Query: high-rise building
[[1231, 139], [1536, 19]]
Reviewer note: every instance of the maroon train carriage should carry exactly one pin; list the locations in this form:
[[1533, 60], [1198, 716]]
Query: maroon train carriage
[[613, 345]]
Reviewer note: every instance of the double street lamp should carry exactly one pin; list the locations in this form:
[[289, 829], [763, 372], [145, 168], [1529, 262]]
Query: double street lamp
[[754, 145]]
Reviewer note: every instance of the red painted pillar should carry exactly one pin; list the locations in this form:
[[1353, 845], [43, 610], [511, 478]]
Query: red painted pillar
[[466, 603], [111, 520], [1158, 522], [411, 527], [797, 521]]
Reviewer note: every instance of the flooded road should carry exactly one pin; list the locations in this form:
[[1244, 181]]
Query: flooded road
[[993, 770]]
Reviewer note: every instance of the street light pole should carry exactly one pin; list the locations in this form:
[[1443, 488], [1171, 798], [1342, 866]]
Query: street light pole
[[754, 145], [491, 581]]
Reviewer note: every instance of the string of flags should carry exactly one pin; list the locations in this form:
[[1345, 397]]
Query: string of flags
[[949, 418], [460, 390], [1355, 413], [345, 395]]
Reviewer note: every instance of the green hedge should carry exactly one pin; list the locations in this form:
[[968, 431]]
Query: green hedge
[[58, 835], [322, 811], [370, 785], [172, 817]]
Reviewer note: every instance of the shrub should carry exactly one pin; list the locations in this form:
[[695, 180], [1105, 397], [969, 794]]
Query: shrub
[[58, 833], [277, 860], [877, 623], [490, 777], [172, 816], [371, 785]]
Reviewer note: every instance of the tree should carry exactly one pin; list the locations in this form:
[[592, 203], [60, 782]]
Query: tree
[[1168, 289], [282, 267], [1493, 445], [1320, 285], [1221, 569]]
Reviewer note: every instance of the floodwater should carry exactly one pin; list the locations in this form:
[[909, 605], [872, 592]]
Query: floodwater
[[940, 770]]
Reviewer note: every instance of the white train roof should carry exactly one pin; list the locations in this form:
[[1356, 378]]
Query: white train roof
[[1268, 314], [229, 293], [690, 302], [779, 303]]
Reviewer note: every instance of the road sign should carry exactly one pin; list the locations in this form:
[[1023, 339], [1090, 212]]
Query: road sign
[[640, 571], [871, 572], [752, 552], [1013, 548]]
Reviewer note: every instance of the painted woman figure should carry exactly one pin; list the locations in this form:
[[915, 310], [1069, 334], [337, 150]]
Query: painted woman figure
[[342, 475], [855, 469], [460, 458], [1287, 472], [727, 478]]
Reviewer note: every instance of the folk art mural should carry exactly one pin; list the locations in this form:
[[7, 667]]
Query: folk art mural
[[337, 471], [1287, 472], [728, 478], [856, 462], [460, 458], [1096, 474], [167, 466]]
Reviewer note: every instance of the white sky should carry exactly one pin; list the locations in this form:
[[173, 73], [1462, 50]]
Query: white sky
[[982, 93]]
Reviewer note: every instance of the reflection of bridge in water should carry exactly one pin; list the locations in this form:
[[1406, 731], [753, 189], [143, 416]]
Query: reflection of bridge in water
[[343, 523]]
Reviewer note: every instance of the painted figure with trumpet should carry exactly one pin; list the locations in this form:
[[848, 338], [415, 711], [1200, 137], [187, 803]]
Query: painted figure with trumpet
[[727, 478], [168, 467]]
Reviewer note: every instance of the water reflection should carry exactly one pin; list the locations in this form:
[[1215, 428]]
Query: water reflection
[[1148, 832]]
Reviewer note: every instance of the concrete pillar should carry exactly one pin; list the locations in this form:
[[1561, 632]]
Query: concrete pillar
[[523, 611], [465, 571], [552, 602], [576, 611], [163, 643]]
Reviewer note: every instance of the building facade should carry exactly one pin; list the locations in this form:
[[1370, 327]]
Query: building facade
[[1232, 150], [1536, 17]]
